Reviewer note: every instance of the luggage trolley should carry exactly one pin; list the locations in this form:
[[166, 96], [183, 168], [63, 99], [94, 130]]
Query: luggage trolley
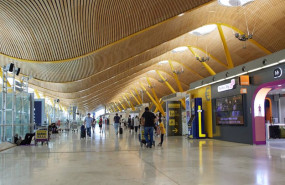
[[42, 135], [142, 139]]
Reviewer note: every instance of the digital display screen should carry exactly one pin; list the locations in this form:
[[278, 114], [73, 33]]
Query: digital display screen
[[229, 111]]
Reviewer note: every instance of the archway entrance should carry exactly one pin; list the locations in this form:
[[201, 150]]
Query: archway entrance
[[262, 109]]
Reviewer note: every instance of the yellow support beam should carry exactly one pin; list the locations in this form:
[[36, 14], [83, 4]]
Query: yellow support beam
[[166, 83], [170, 87], [135, 98], [175, 77], [138, 95], [129, 101], [122, 105], [153, 92], [156, 109], [37, 93], [250, 40], [226, 49], [153, 101], [116, 107], [209, 69]]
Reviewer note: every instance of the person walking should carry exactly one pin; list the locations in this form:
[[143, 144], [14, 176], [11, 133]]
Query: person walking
[[129, 123], [93, 124], [136, 123], [162, 131], [100, 123], [88, 122], [149, 119], [116, 123]]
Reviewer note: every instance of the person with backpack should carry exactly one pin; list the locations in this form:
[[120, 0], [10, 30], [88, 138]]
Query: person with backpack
[[148, 119], [116, 123]]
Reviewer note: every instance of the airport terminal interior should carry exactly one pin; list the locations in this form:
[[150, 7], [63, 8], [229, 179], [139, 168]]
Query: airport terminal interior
[[142, 92]]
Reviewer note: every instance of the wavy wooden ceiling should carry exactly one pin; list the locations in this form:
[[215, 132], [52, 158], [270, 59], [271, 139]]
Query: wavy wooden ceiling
[[89, 53]]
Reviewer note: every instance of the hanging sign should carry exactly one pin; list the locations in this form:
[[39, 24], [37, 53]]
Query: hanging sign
[[228, 86]]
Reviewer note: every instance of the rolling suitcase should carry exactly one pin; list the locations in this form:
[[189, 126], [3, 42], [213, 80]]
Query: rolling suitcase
[[121, 130]]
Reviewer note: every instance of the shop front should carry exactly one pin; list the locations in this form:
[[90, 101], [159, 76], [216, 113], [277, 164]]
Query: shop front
[[248, 102]]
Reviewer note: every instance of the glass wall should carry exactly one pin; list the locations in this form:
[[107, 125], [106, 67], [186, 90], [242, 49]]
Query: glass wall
[[22, 122]]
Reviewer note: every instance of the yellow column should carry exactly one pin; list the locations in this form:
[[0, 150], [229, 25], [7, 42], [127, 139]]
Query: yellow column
[[250, 40], [138, 95], [166, 83], [135, 98], [170, 87], [153, 92], [227, 52], [37, 93], [129, 101], [153, 101], [117, 107], [175, 77], [122, 105], [209, 69]]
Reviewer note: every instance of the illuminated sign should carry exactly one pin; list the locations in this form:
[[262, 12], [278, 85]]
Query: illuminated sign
[[277, 72], [228, 86], [244, 80]]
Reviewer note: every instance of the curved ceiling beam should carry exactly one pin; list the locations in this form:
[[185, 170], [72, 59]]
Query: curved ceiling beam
[[113, 85]]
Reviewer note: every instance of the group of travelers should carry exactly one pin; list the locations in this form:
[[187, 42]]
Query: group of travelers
[[147, 122], [133, 123]]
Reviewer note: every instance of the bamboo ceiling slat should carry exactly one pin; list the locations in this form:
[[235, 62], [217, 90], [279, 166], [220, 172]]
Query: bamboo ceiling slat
[[90, 52]]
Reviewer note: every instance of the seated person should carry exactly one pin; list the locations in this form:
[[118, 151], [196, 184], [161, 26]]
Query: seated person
[[54, 128], [26, 141]]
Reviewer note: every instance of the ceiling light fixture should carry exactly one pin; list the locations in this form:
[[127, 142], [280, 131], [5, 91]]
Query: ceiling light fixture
[[203, 59], [204, 30], [233, 3]]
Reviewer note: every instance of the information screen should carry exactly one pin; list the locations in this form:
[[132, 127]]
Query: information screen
[[229, 111]]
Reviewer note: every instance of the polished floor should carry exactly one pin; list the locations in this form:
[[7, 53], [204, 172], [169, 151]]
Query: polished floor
[[109, 159]]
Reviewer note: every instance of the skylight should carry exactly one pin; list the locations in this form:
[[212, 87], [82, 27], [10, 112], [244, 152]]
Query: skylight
[[179, 49], [163, 62], [204, 30], [234, 2]]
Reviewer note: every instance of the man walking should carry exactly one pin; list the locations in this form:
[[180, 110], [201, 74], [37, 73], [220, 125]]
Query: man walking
[[88, 122], [116, 123], [148, 126]]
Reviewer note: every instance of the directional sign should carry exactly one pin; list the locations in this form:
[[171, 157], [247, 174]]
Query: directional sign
[[175, 130], [174, 121]]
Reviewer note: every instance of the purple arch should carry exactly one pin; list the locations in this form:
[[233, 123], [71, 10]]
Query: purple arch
[[273, 85]]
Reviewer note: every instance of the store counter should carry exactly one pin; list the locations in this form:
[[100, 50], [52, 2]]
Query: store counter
[[276, 130]]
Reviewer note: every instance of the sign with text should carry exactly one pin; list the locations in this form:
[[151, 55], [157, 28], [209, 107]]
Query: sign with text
[[41, 134], [228, 86], [174, 121]]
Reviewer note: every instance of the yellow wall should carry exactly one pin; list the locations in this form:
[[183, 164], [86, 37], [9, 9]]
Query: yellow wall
[[205, 94]]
